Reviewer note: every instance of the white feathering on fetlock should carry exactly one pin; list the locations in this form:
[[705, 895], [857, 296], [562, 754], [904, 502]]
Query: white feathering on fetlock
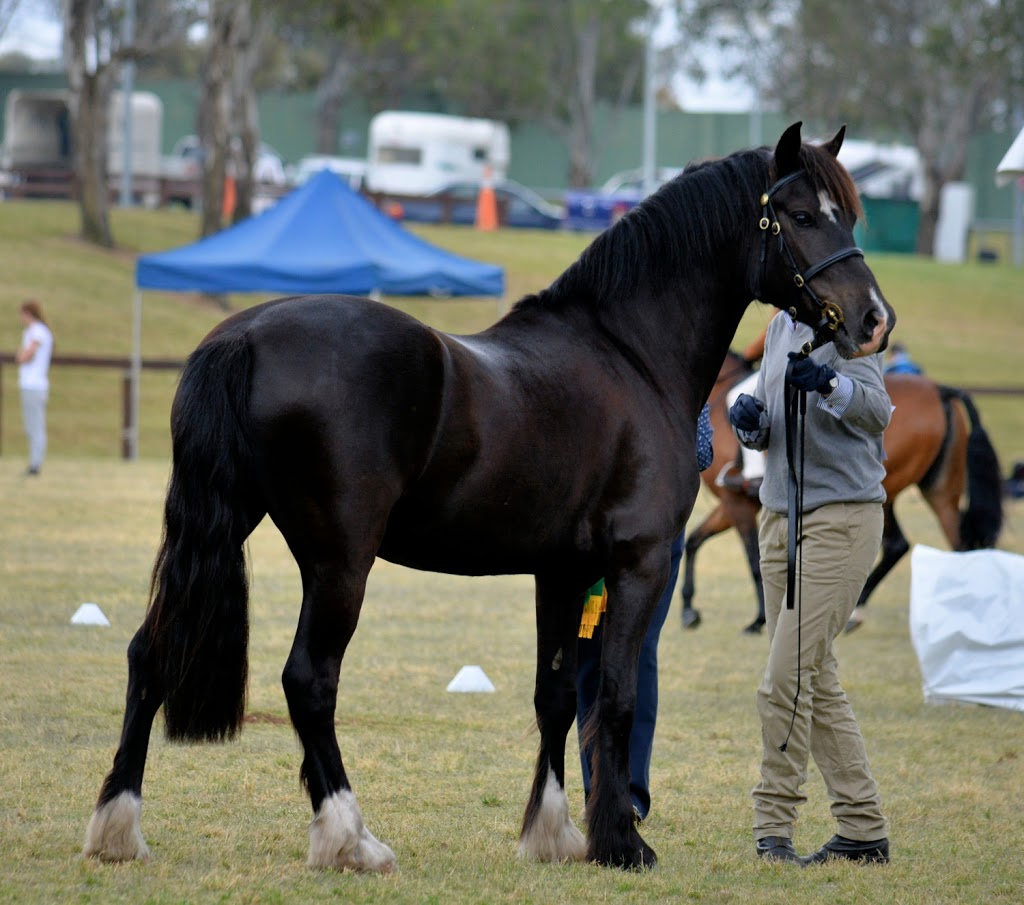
[[114, 832], [339, 840], [552, 836]]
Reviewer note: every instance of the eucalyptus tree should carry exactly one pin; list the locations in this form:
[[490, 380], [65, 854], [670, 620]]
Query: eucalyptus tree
[[933, 73], [94, 50]]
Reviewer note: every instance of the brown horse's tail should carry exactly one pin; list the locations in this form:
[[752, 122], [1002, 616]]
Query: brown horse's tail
[[982, 521]]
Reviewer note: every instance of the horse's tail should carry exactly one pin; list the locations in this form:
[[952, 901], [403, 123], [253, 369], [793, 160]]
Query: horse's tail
[[982, 521], [198, 620]]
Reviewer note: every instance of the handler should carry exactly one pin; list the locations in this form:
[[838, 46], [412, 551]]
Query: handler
[[33, 359], [847, 411], [641, 737]]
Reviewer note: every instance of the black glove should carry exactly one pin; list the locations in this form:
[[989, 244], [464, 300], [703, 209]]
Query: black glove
[[806, 374], [745, 414]]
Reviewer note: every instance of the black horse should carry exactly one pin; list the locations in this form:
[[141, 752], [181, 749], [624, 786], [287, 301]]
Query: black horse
[[558, 442]]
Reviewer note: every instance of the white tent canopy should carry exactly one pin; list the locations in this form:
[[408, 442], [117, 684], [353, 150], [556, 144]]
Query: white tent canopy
[[1011, 167]]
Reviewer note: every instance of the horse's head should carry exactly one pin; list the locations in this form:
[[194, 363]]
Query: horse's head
[[809, 262]]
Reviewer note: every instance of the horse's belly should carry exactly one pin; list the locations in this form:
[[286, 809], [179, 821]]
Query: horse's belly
[[476, 546]]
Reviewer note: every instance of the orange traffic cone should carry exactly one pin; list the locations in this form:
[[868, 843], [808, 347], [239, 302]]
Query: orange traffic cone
[[487, 204], [230, 198]]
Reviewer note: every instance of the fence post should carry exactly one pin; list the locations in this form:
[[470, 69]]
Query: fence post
[[126, 415]]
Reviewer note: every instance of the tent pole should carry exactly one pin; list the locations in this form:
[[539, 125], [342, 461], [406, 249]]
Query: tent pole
[[136, 374]]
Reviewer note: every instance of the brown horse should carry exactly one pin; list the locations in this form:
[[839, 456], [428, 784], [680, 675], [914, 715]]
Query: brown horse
[[934, 440]]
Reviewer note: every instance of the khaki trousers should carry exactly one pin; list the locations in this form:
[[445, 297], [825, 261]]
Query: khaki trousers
[[839, 546]]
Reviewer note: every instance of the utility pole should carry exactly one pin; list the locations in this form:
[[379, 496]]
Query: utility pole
[[650, 178], [127, 89]]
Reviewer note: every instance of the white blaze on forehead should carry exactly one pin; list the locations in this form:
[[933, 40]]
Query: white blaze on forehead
[[828, 206]]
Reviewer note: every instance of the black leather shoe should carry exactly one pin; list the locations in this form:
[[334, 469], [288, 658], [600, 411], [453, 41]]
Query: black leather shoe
[[876, 852], [778, 848]]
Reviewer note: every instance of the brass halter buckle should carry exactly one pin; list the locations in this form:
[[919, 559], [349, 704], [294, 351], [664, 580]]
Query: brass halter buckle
[[834, 315]]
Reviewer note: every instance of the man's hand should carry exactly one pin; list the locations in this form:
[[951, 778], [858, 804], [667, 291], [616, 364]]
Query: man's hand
[[806, 374], [747, 413]]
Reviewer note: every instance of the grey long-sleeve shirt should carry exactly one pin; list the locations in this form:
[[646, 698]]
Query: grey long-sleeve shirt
[[843, 437]]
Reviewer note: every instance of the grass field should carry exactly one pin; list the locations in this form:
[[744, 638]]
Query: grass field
[[443, 778]]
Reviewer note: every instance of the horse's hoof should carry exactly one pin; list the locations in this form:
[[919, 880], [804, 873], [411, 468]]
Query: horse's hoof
[[641, 858], [691, 618], [114, 834], [855, 622], [636, 855], [339, 840], [754, 628]]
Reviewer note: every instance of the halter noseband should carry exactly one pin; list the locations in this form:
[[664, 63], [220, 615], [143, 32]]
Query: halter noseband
[[831, 313]]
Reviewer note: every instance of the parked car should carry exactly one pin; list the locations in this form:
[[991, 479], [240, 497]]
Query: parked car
[[185, 163], [457, 203], [598, 209]]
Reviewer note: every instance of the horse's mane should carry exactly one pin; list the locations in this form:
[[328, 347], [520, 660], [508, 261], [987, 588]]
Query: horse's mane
[[684, 224], [680, 226]]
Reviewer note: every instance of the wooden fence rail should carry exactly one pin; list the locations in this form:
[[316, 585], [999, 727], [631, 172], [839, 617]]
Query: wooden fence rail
[[167, 364], [90, 361]]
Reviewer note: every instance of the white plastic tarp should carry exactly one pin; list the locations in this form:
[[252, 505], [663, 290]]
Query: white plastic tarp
[[967, 625]]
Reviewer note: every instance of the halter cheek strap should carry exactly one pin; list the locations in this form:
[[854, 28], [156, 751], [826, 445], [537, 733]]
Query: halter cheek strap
[[831, 313]]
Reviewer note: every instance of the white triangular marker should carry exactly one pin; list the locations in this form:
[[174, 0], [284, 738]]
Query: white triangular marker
[[470, 678], [89, 614]]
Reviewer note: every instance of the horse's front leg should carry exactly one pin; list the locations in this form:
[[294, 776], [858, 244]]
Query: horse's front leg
[[549, 833], [114, 832], [632, 598]]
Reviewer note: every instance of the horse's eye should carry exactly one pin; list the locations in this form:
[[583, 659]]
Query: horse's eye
[[802, 218]]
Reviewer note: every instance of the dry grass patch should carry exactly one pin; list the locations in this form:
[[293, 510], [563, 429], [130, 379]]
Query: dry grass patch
[[441, 777]]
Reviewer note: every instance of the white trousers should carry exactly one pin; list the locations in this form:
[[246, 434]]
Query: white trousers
[[33, 414]]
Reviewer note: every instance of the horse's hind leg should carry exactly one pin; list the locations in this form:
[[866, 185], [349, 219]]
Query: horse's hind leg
[[114, 832], [894, 547], [333, 586], [632, 598], [548, 832], [691, 616]]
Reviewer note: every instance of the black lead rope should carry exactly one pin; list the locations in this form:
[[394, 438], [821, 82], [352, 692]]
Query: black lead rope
[[796, 421]]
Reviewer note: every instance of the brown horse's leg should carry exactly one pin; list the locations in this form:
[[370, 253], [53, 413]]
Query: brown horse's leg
[[548, 832], [742, 512], [714, 523], [894, 546]]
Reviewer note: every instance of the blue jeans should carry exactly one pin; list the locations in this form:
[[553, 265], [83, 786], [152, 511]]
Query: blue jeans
[[641, 738]]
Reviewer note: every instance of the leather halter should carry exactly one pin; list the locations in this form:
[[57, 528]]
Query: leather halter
[[831, 314]]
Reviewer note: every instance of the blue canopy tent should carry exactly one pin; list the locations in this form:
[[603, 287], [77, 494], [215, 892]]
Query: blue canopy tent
[[320, 238]]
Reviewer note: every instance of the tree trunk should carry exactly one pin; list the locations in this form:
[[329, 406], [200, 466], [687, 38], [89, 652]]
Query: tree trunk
[[89, 108], [330, 94], [582, 102], [244, 52], [942, 141], [89, 126], [214, 115]]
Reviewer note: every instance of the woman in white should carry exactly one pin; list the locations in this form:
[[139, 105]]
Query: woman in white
[[33, 380]]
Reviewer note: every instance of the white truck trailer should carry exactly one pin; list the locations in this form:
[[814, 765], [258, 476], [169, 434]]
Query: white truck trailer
[[418, 153]]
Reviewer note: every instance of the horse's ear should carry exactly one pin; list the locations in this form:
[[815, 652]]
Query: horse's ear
[[787, 151], [837, 142]]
